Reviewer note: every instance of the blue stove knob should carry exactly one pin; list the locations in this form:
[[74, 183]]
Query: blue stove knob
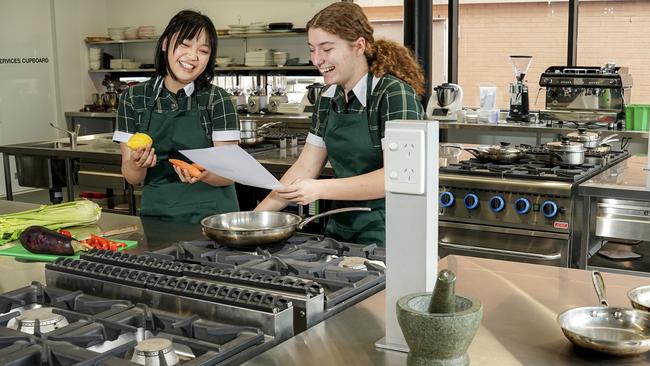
[[522, 205], [549, 209], [446, 199], [497, 203], [471, 201]]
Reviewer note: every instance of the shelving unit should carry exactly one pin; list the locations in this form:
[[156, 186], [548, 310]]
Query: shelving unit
[[306, 70]]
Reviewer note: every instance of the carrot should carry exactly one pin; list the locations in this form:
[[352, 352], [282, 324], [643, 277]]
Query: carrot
[[198, 166], [194, 171]]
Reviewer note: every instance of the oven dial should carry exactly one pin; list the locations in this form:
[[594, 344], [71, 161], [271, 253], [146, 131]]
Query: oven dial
[[549, 209], [522, 205], [497, 204], [446, 199], [471, 201]]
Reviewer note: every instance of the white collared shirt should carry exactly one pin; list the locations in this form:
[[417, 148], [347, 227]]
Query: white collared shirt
[[359, 91]]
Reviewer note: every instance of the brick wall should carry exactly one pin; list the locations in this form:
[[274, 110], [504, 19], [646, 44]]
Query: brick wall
[[489, 33]]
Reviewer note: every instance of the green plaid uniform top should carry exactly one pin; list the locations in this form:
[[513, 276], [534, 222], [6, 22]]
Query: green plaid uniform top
[[391, 99], [217, 110]]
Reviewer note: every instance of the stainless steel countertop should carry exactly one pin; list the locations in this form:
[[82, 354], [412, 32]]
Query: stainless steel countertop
[[629, 179], [152, 234], [521, 302], [305, 118]]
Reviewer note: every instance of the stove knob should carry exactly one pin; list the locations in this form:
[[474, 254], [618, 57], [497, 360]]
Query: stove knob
[[522, 205], [549, 209], [471, 201], [446, 199], [497, 204]]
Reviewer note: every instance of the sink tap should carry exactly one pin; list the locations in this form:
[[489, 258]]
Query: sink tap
[[72, 134]]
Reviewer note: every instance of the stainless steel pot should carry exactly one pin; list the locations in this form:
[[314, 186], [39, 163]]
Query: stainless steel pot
[[640, 297], [590, 140], [252, 135], [586, 138], [502, 154], [566, 152], [249, 229], [611, 330]]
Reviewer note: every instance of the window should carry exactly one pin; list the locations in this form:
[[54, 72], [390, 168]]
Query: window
[[492, 30], [618, 32]]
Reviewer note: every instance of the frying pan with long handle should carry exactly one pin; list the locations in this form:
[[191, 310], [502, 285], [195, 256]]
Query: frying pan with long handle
[[611, 330], [250, 229]]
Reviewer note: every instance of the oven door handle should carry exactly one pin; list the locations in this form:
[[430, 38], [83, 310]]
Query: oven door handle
[[543, 257]]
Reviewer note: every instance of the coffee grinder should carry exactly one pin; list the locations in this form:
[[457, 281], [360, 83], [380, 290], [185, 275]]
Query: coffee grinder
[[518, 90]]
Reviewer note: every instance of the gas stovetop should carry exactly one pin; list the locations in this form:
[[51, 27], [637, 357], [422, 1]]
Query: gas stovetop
[[42, 325], [283, 289], [536, 166], [343, 270]]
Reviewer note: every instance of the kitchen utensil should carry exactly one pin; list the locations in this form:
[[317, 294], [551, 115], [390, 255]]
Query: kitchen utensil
[[18, 251], [600, 150], [611, 330], [586, 138], [252, 135], [246, 229], [502, 154], [640, 297], [566, 152], [313, 91]]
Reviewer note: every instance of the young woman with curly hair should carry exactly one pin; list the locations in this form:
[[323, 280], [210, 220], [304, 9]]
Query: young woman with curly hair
[[368, 83]]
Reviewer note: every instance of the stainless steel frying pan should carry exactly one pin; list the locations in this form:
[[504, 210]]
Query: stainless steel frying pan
[[249, 229], [615, 331]]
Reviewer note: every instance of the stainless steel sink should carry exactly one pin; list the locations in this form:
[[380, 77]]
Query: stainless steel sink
[[54, 145]]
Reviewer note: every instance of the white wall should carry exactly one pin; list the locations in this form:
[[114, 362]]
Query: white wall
[[27, 89]]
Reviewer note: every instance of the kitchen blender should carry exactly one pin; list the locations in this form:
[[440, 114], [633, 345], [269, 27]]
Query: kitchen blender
[[446, 101], [518, 90]]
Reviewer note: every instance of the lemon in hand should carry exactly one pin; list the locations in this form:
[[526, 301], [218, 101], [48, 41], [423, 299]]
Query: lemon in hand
[[139, 141]]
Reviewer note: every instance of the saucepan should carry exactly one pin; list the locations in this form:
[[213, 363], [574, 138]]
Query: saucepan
[[251, 134], [611, 330], [250, 229]]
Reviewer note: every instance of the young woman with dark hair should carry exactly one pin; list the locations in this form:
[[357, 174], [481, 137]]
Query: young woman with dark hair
[[179, 109], [368, 83]]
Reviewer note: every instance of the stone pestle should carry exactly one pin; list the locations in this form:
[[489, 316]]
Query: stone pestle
[[443, 299]]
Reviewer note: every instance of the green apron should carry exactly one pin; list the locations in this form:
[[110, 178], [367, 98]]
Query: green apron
[[164, 195], [351, 152]]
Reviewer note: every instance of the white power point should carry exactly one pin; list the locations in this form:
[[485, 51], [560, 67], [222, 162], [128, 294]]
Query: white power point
[[404, 161]]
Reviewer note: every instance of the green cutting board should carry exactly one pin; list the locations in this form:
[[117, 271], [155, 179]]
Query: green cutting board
[[19, 251]]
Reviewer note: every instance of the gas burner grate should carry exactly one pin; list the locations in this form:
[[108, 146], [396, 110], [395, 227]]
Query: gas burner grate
[[111, 337]]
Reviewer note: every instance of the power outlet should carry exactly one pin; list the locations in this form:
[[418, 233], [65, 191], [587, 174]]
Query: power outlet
[[404, 161]]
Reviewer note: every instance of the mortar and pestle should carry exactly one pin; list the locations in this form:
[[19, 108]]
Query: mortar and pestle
[[439, 327]]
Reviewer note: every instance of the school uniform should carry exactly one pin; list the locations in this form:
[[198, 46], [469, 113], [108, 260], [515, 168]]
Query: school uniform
[[353, 133], [189, 119]]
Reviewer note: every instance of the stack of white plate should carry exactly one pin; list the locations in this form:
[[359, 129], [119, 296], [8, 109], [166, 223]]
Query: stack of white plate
[[237, 29], [117, 33], [146, 31], [94, 58], [259, 58], [257, 28]]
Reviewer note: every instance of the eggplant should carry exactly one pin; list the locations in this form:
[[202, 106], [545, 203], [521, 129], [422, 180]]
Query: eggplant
[[41, 240]]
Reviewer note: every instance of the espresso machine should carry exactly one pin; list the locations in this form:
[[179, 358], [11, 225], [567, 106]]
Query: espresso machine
[[445, 102], [518, 90], [586, 95]]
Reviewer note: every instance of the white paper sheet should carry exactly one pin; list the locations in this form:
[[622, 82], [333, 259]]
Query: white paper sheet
[[233, 162]]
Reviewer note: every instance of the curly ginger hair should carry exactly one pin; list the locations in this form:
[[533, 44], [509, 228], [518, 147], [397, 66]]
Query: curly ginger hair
[[348, 21]]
